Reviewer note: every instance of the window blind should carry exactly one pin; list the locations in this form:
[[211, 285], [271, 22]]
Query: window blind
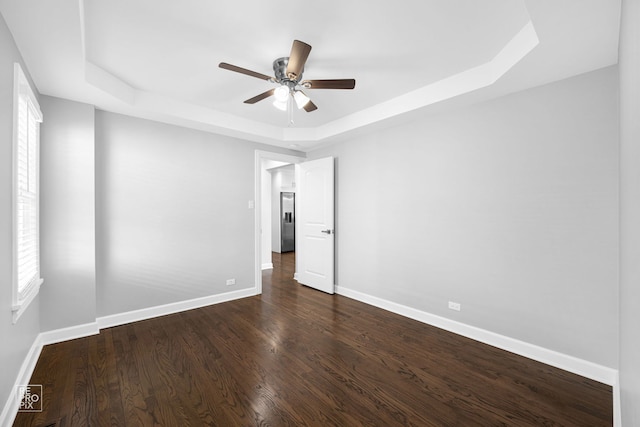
[[27, 197], [27, 118]]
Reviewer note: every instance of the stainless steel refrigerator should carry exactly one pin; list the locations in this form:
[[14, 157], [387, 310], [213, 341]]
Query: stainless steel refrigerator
[[287, 222]]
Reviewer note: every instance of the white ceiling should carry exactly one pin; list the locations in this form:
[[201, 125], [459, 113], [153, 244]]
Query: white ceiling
[[158, 59]]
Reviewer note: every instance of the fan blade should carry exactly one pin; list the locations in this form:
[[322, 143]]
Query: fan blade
[[329, 84], [309, 107], [297, 59], [244, 71], [260, 97]]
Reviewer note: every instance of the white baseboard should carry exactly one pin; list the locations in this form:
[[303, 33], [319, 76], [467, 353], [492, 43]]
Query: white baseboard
[[572, 364], [568, 363], [10, 409], [617, 404], [176, 307], [267, 265], [70, 333]]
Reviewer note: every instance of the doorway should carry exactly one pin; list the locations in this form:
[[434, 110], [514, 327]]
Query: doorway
[[315, 247], [265, 160]]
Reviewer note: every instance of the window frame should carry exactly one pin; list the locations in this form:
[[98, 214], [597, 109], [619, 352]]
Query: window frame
[[22, 92]]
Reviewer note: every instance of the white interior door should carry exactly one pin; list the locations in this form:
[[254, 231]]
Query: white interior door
[[315, 234]]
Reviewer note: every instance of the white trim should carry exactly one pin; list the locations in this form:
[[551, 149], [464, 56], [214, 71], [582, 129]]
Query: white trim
[[70, 333], [267, 266], [617, 404], [176, 307], [568, 363], [10, 409], [22, 85], [21, 306]]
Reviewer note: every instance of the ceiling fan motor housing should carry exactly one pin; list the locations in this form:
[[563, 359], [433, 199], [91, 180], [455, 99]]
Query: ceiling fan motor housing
[[280, 72]]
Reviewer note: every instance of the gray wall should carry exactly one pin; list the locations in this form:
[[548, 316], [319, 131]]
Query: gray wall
[[67, 220], [508, 207], [15, 340], [173, 220], [630, 212]]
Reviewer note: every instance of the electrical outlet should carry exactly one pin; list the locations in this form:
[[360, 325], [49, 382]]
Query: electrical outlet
[[454, 306], [231, 282]]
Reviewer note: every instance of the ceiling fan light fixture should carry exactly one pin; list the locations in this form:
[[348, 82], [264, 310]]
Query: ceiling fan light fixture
[[301, 99], [281, 93], [280, 105]]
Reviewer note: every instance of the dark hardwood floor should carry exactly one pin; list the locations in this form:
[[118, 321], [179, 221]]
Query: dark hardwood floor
[[297, 357]]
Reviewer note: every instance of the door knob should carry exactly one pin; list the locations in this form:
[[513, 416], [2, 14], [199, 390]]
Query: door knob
[[327, 231]]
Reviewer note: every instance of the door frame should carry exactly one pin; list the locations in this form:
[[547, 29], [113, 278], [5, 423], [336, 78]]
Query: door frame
[[261, 155]]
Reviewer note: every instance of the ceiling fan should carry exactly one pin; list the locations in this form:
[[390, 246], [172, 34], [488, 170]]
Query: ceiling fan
[[288, 74]]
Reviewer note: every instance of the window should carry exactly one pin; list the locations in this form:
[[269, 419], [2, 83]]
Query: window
[[26, 236]]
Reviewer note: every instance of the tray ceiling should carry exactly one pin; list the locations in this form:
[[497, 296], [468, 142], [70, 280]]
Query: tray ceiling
[[159, 59]]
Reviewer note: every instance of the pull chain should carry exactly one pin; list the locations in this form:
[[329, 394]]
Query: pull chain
[[290, 110]]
